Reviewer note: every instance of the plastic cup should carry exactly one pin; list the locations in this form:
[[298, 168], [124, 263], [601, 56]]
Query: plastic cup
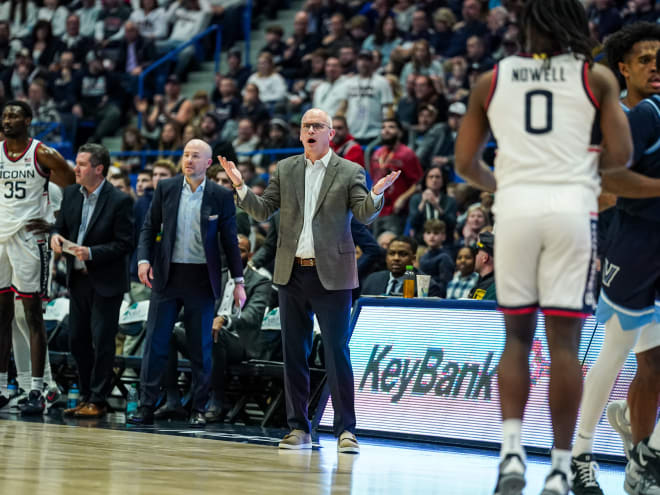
[[423, 282]]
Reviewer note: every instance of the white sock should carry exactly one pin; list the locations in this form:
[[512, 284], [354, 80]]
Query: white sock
[[4, 377], [511, 430], [37, 383], [561, 460], [600, 380], [23, 378], [654, 439]]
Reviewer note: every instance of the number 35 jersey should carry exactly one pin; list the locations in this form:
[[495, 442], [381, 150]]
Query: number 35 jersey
[[545, 120], [23, 189]]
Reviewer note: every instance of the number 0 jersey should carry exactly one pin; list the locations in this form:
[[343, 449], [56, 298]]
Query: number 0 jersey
[[543, 115], [23, 189]]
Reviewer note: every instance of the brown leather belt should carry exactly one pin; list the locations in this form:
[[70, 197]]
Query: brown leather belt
[[305, 261]]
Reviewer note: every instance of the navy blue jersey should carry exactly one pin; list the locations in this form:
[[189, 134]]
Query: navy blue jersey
[[645, 126]]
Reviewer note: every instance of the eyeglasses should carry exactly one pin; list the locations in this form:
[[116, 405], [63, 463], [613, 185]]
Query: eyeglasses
[[317, 126]]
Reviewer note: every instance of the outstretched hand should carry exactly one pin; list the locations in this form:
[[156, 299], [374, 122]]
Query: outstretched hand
[[385, 182], [232, 171]]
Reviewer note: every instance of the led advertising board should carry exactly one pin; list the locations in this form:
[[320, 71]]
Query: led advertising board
[[428, 368]]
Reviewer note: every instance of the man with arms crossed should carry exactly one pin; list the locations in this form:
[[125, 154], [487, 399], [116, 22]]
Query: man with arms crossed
[[542, 110], [26, 166], [315, 267]]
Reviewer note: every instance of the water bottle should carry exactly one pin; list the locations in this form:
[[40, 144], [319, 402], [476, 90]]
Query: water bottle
[[12, 388], [132, 400], [409, 282], [73, 397]]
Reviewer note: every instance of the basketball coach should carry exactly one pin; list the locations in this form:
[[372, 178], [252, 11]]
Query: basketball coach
[[315, 267]]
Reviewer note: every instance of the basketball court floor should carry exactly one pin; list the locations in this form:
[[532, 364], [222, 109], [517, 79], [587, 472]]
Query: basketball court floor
[[57, 456]]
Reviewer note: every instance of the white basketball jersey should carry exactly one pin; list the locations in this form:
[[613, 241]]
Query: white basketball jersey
[[542, 114], [23, 189]]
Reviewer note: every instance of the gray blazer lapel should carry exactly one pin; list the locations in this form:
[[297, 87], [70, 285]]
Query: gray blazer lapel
[[331, 171], [298, 171]]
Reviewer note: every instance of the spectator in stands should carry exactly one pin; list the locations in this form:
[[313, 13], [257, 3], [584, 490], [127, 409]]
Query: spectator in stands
[[497, 21], [345, 145], [188, 18], [110, 20], [236, 71], [400, 253], [476, 219], [253, 108], [403, 11], [348, 60], [272, 86], [470, 25], [329, 94], [44, 110], [237, 336], [428, 138], [247, 139], [18, 77], [8, 47], [98, 96], [217, 174], [375, 10], [136, 53], [226, 99], [201, 105], [438, 261], [171, 106], [419, 28], [484, 265], [278, 138], [465, 278], [120, 180], [476, 54], [639, 10], [605, 16], [368, 100], [427, 93], [303, 89], [384, 39], [510, 43], [391, 157], [406, 108], [170, 140], [55, 14], [43, 45], [443, 23], [337, 34], [143, 182], [210, 128], [63, 83], [88, 14], [190, 132], [99, 219], [151, 20], [132, 140], [74, 40], [432, 203], [444, 153], [358, 29], [274, 44], [228, 15], [299, 46], [21, 14], [385, 238]]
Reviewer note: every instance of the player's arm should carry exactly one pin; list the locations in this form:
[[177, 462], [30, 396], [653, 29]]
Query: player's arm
[[472, 137], [60, 172], [617, 142]]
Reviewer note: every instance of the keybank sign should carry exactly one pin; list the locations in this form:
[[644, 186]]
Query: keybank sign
[[428, 368], [434, 374]]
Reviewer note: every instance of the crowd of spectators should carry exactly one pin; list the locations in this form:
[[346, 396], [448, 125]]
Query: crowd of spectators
[[394, 74]]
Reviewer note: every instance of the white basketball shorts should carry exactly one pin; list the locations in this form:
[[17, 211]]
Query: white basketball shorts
[[24, 264]]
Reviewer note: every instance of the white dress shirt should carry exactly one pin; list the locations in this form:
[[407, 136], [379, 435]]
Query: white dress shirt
[[314, 173]]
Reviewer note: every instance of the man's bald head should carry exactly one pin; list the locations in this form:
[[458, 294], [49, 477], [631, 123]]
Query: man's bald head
[[317, 114]]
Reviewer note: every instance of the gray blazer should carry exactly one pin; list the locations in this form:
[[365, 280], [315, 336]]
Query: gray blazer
[[343, 194]]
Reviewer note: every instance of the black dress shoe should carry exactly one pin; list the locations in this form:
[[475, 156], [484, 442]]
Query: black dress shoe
[[197, 420], [167, 411], [143, 416]]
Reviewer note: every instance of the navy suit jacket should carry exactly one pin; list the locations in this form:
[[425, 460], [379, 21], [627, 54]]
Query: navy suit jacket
[[218, 225]]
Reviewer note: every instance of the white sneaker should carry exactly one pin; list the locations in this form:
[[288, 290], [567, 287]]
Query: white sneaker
[[16, 400], [511, 478], [638, 481], [616, 416], [556, 484]]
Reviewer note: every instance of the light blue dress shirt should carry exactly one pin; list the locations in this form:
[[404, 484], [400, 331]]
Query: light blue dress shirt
[[188, 245], [88, 206]]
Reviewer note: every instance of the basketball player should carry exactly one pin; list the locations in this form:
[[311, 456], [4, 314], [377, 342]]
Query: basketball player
[[26, 166], [631, 278], [542, 109]]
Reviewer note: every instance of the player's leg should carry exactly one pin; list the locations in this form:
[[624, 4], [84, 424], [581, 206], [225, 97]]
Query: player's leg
[[6, 316]]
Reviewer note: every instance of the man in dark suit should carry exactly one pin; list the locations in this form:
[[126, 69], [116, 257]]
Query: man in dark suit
[[179, 259], [99, 219], [315, 267], [135, 53]]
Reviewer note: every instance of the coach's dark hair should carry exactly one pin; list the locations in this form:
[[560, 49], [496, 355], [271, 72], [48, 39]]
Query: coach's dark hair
[[25, 108], [563, 23], [99, 155], [620, 44]]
